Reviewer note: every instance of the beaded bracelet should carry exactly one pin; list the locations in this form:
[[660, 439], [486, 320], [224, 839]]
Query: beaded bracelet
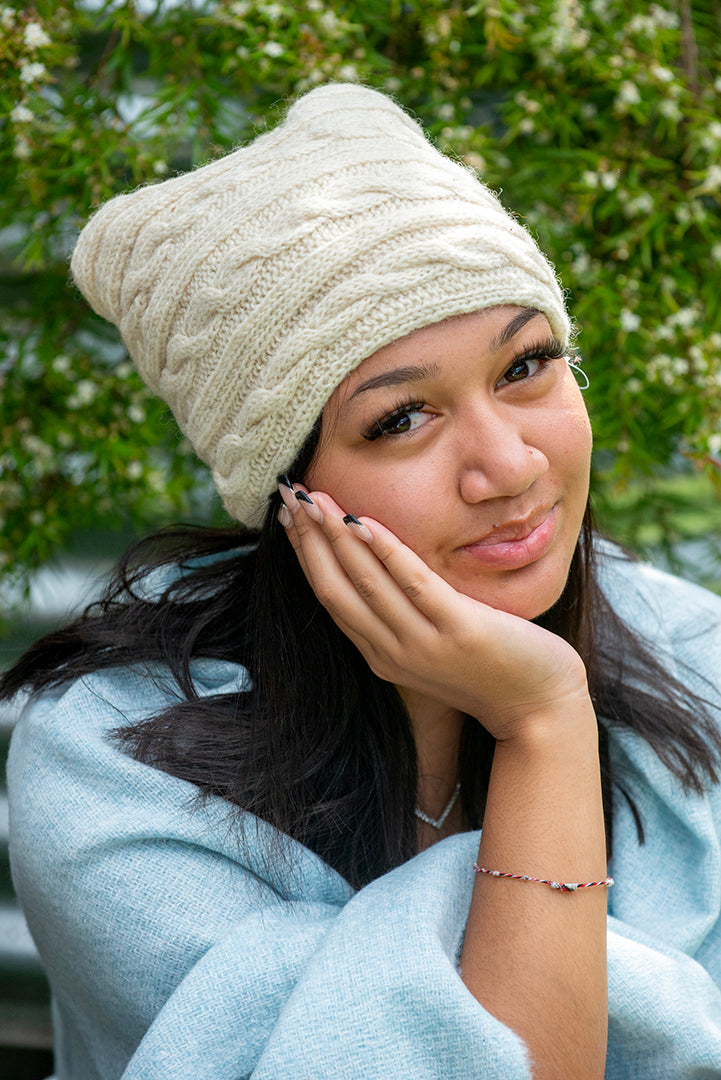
[[563, 886]]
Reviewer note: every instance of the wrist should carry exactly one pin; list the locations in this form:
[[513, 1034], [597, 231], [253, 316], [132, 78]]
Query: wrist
[[570, 724]]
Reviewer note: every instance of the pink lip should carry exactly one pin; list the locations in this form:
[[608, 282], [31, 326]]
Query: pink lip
[[515, 544]]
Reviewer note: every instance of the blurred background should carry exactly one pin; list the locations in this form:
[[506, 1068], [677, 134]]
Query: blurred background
[[600, 122]]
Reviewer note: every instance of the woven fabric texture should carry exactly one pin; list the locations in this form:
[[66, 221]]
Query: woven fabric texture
[[172, 954]]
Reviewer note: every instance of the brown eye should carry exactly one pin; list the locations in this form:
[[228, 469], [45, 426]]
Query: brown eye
[[521, 369], [397, 426]]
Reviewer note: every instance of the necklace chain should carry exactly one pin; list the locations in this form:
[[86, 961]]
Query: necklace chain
[[438, 823]]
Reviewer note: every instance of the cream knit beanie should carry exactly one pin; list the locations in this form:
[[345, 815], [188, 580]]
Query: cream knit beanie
[[246, 290]]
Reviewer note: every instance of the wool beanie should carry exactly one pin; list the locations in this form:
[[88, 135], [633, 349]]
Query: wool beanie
[[247, 289]]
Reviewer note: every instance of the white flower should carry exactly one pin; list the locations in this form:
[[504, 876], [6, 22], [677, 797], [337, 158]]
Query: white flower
[[348, 73], [628, 94], [711, 136], [84, 394], [61, 364], [712, 180], [36, 447], [7, 18], [136, 413], [134, 470], [642, 204], [669, 109], [273, 12], [609, 180], [588, 111], [35, 37], [581, 264], [590, 179], [663, 74], [328, 21], [629, 321], [21, 115], [314, 5], [475, 161], [445, 112], [160, 167], [717, 84], [22, 149], [240, 8], [526, 126], [684, 317], [663, 17], [714, 443], [273, 49], [716, 253], [30, 73]]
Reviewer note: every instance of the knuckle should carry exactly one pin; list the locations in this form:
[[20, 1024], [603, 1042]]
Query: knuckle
[[414, 590], [366, 587]]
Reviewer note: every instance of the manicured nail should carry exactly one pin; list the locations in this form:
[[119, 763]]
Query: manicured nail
[[358, 528], [284, 516], [311, 509], [285, 489]]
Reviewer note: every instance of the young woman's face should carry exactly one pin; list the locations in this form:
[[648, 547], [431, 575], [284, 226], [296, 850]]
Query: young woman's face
[[468, 439]]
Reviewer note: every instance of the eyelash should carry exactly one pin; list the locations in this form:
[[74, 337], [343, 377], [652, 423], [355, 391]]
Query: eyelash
[[378, 428]]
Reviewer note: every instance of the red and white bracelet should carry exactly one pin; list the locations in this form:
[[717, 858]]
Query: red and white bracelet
[[562, 886]]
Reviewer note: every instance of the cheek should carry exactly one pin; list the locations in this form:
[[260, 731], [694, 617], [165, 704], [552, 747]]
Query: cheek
[[399, 495], [570, 441]]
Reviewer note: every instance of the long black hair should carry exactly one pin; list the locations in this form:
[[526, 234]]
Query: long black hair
[[318, 745]]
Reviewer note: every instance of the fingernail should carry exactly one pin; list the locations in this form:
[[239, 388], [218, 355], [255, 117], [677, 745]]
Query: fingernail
[[284, 516], [311, 509], [285, 489], [358, 528]]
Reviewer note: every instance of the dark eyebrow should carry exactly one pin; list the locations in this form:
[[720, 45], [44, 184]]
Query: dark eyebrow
[[412, 373], [418, 372], [513, 327]]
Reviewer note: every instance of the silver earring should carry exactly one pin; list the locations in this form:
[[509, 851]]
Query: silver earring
[[574, 362]]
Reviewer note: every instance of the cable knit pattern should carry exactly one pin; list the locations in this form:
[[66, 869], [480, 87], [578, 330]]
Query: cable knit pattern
[[247, 290]]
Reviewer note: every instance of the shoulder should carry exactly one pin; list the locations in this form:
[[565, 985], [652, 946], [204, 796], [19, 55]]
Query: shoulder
[[62, 741], [678, 619]]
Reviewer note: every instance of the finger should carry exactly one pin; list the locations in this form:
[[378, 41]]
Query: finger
[[370, 578], [330, 581], [427, 592]]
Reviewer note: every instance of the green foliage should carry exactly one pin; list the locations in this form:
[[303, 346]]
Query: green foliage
[[600, 122]]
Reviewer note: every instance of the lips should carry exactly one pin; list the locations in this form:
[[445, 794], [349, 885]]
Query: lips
[[515, 544], [512, 530]]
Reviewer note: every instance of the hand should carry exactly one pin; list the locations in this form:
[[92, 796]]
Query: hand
[[417, 631]]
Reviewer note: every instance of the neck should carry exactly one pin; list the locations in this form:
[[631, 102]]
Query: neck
[[437, 732]]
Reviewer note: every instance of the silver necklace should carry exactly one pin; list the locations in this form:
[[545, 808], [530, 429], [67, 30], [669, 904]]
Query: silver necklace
[[438, 823]]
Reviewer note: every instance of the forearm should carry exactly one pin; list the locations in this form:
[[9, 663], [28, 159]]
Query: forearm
[[535, 957]]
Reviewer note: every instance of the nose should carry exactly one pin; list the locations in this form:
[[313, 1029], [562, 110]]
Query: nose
[[497, 459]]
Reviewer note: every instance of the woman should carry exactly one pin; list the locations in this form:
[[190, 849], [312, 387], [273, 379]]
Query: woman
[[227, 799]]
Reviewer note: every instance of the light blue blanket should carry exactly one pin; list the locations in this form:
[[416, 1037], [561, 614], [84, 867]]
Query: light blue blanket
[[170, 958]]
